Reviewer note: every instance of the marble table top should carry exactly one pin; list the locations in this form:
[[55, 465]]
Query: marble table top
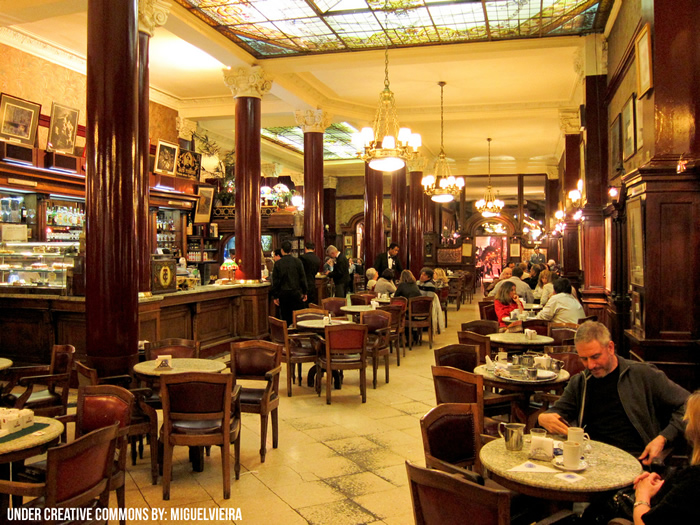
[[614, 469], [490, 376], [356, 308], [508, 320], [47, 434], [520, 339], [319, 324], [180, 365], [5, 363], [532, 306]]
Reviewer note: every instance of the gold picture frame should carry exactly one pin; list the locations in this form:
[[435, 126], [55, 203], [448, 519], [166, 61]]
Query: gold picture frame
[[643, 59], [204, 205], [166, 158], [19, 119]]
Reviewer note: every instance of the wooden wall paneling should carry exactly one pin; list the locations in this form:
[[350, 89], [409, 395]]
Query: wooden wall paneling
[[26, 334], [214, 322], [252, 312], [70, 330], [176, 321], [149, 325]]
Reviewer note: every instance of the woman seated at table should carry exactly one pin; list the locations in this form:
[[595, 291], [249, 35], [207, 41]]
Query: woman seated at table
[[544, 289], [506, 301], [371, 275], [407, 286], [674, 500], [440, 277], [385, 284]]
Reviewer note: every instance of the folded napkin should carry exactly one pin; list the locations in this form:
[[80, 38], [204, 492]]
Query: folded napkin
[[570, 477], [529, 466]]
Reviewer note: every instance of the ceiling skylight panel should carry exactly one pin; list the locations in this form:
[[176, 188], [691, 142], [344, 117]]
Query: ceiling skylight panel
[[353, 23], [364, 40], [265, 48], [231, 14], [459, 23], [304, 28], [266, 31], [335, 6], [283, 9]]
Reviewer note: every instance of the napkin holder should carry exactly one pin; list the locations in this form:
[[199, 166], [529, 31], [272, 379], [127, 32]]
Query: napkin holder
[[164, 362], [530, 334], [542, 448]]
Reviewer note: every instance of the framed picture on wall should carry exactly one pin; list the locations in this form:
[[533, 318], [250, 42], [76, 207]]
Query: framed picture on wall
[[515, 249], [204, 205], [63, 128], [615, 147], [189, 164], [166, 158], [347, 240], [19, 119], [629, 130], [642, 49], [639, 120]]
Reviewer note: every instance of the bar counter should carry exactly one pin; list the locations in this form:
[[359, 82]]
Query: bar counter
[[215, 315]]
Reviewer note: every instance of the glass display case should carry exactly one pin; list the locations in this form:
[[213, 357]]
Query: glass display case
[[33, 267]]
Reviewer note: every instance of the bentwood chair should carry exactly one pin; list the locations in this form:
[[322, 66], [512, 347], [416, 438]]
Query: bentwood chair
[[201, 409], [396, 340], [538, 325], [462, 356], [455, 291], [360, 299], [298, 349], [481, 326], [333, 305], [420, 315], [259, 361], [51, 401], [306, 314], [346, 349], [442, 294], [378, 330], [175, 347], [562, 336], [482, 341]]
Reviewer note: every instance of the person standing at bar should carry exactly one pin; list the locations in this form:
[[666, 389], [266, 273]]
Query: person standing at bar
[[311, 264], [288, 284], [389, 260], [340, 273]]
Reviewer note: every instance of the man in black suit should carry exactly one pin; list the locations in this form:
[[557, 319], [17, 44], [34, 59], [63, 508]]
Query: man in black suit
[[312, 264], [288, 284], [340, 272], [389, 260]]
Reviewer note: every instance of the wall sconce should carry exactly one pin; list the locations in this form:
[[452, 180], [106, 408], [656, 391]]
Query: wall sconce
[[613, 192]]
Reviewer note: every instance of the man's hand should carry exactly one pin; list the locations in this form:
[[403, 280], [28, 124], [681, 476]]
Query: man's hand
[[652, 450], [553, 423], [304, 298], [276, 301]]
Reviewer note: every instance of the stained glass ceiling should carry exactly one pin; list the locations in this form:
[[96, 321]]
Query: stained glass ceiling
[[337, 140], [278, 28]]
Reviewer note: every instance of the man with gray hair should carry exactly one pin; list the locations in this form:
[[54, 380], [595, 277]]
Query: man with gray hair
[[624, 403], [340, 272]]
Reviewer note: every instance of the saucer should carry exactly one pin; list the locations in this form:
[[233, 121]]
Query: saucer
[[558, 462]]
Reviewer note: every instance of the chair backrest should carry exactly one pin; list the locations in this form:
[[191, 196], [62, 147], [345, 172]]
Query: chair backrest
[[539, 325], [489, 312], [452, 434], [101, 406], [86, 376], [253, 359], [481, 326], [482, 341], [62, 357], [360, 299], [443, 293], [178, 348], [455, 286], [561, 335], [420, 306], [567, 354], [333, 305], [79, 472], [588, 318], [278, 331], [346, 339], [457, 386], [462, 356], [439, 498], [375, 320], [307, 314], [397, 313], [400, 301]]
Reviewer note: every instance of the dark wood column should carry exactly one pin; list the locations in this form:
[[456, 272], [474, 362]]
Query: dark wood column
[[248, 85], [374, 214], [415, 217], [141, 180], [111, 300], [429, 223], [329, 191], [521, 203], [399, 232], [552, 194], [570, 245], [313, 123]]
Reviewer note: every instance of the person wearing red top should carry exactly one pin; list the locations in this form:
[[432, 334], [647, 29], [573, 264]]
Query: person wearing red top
[[506, 301]]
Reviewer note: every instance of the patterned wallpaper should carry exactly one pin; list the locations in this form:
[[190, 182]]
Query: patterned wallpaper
[[37, 80]]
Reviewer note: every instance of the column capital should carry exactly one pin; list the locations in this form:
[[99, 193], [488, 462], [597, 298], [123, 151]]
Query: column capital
[[185, 128], [417, 164], [152, 14], [552, 172], [330, 182], [569, 121], [271, 169], [297, 178], [313, 120], [247, 81]]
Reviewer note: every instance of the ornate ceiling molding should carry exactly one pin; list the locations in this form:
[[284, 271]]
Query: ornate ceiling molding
[[552, 172], [152, 14], [247, 81], [313, 120], [569, 121], [29, 44], [330, 182]]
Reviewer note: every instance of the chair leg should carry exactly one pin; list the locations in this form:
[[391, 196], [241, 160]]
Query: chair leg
[[275, 434], [430, 336], [290, 372], [363, 384], [386, 367], [153, 445], [299, 372], [237, 452], [121, 502], [226, 467], [167, 469], [375, 366], [329, 378], [134, 440], [263, 437]]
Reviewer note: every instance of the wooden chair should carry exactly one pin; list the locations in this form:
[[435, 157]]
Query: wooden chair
[[562, 336], [396, 340], [539, 325], [346, 349], [97, 407], [144, 419], [259, 361], [77, 475], [481, 326], [572, 326], [400, 301], [482, 341], [420, 315], [455, 291], [297, 349], [468, 294], [360, 299], [462, 356], [333, 305], [176, 347], [378, 329], [51, 401], [589, 318], [306, 314], [567, 354], [201, 409], [442, 294], [488, 311]]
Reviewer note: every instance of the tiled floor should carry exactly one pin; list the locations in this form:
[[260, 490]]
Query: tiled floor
[[339, 464]]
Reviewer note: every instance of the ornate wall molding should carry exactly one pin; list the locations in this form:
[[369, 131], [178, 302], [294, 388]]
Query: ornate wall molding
[[552, 172], [185, 128], [29, 44], [247, 81], [330, 182], [313, 120], [569, 121], [152, 14]]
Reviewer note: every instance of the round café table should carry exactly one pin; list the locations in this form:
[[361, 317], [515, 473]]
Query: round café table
[[614, 469], [356, 309], [319, 325], [532, 306], [17, 447], [5, 363], [511, 342], [507, 320], [180, 365]]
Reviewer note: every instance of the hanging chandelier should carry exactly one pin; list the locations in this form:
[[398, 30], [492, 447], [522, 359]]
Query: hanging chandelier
[[385, 146], [442, 186], [490, 206]]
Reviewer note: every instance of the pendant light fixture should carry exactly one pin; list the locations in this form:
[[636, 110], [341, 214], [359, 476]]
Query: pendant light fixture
[[441, 186], [385, 146], [490, 206]]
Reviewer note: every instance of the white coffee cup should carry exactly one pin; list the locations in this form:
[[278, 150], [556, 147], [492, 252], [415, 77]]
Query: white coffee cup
[[502, 357], [514, 314], [577, 434], [572, 454]]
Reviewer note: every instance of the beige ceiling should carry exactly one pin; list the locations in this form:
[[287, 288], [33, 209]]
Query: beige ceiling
[[512, 91]]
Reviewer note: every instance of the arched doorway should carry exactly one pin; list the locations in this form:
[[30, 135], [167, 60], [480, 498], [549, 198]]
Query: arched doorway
[[490, 247]]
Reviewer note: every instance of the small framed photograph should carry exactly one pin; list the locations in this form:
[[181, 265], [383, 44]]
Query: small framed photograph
[[189, 164], [63, 128], [204, 205], [515, 249], [642, 49], [639, 119], [166, 158], [347, 240], [615, 147], [629, 129], [19, 119]]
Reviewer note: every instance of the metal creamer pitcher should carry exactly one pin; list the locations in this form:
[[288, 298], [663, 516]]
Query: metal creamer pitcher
[[513, 435]]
